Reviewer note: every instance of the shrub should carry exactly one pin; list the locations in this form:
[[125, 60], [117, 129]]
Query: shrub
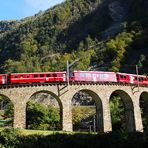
[[9, 137]]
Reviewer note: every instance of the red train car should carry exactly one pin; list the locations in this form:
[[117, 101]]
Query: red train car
[[94, 76], [125, 78], [140, 79], [3, 79], [132, 78], [78, 76], [47, 77]]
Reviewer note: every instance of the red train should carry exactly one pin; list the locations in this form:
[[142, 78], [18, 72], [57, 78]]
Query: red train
[[76, 76]]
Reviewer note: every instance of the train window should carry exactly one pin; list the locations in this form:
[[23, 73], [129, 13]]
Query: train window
[[54, 75], [103, 76], [3, 77], [21, 76], [123, 77], [27, 76], [60, 75], [88, 75], [143, 79], [82, 75], [15, 76], [138, 78], [41, 75], [35, 75], [47, 75]]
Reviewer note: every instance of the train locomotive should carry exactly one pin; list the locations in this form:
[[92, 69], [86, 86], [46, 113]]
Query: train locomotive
[[75, 76]]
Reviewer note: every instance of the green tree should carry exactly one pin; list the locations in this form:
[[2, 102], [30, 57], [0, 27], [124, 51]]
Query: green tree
[[54, 117], [42, 117], [117, 110], [81, 112], [116, 49], [7, 111], [37, 114]]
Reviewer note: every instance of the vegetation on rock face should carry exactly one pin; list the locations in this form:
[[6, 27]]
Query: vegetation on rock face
[[77, 29], [80, 113]]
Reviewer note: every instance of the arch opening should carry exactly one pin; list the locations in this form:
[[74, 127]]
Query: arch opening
[[6, 112], [122, 111], [44, 111], [87, 114], [144, 110]]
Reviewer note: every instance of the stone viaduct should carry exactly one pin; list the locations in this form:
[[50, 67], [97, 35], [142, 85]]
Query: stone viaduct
[[101, 93]]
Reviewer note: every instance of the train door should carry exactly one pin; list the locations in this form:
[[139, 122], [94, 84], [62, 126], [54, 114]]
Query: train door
[[131, 79], [64, 77], [4, 79], [94, 77]]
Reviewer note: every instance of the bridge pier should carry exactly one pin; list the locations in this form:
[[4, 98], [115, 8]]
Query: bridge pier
[[19, 102], [66, 114], [19, 115], [137, 114], [107, 127]]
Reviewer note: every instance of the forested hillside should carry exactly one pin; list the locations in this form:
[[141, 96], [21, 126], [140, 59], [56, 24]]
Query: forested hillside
[[98, 34]]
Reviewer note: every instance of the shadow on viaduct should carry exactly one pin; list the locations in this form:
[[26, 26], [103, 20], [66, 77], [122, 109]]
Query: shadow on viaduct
[[101, 93]]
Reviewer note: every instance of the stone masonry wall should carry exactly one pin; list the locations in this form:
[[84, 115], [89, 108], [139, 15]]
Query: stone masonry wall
[[100, 93]]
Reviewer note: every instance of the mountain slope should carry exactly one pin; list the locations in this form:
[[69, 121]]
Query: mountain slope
[[105, 34]]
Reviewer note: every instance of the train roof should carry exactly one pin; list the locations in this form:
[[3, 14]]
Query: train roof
[[130, 74], [95, 71], [39, 72]]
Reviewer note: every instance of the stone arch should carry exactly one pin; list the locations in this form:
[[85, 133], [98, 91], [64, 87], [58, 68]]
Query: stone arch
[[128, 109], [99, 109], [54, 96], [7, 100], [51, 93], [6, 97], [144, 106]]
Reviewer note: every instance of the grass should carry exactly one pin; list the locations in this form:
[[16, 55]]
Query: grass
[[33, 132], [47, 132], [38, 132]]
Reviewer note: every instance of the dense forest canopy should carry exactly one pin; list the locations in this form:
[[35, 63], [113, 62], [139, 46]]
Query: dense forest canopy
[[107, 35]]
